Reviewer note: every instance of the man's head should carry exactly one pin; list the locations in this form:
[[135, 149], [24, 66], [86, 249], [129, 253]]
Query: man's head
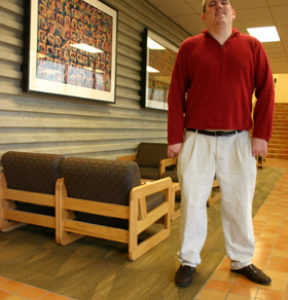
[[217, 12], [205, 1]]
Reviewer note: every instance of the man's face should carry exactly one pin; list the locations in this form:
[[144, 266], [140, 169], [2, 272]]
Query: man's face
[[218, 12]]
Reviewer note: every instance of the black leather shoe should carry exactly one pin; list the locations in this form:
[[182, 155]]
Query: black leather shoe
[[254, 274], [184, 276]]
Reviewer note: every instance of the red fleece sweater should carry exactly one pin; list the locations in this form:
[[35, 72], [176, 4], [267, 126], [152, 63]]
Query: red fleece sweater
[[212, 86]]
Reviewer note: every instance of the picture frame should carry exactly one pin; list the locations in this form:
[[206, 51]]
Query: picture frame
[[72, 49], [159, 56]]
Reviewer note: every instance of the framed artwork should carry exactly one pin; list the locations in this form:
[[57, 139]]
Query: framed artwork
[[72, 48], [158, 61]]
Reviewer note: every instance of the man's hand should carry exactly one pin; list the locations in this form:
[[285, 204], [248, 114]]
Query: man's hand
[[173, 150], [259, 147]]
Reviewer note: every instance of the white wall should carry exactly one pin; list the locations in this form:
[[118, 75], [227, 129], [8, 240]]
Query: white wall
[[281, 88]]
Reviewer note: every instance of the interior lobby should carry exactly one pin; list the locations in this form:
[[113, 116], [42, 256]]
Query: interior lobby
[[56, 100]]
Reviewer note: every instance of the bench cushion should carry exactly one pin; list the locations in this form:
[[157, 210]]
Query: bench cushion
[[32, 172], [99, 179], [150, 154]]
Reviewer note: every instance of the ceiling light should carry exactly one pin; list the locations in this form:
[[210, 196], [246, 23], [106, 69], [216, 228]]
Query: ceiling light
[[154, 45], [265, 34], [86, 48], [152, 70]]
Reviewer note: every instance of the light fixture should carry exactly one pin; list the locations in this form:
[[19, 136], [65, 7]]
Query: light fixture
[[265, 34], [152, 70], [86, 48], [154, 45]]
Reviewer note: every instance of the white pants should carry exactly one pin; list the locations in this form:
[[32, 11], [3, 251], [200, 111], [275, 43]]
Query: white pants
[[230, 158]]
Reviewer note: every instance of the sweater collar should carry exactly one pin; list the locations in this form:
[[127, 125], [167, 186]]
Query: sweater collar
[[235, 32]]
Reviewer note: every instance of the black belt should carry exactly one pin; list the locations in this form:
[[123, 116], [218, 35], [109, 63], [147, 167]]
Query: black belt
[[214, 133]]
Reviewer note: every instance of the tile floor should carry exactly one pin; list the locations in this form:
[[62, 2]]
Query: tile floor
[[14, 290], [271, 254]]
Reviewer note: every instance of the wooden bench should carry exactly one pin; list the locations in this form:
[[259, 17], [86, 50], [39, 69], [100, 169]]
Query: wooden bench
[[27, 189], [105, 199]]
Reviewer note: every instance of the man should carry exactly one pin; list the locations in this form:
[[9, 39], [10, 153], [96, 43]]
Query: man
[[210, 106]]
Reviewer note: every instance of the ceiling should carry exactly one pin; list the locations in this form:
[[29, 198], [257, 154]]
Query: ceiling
[[249, 13]]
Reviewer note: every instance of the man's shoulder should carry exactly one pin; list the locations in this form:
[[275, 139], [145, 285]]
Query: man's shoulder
[[248, 38], [193, 39]]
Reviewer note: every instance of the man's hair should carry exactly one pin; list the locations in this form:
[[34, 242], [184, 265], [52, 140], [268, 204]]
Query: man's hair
[[204, 5]]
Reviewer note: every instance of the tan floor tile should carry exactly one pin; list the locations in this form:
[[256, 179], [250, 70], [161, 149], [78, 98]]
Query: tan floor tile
[[237, 297], [281, 246], [262, 251], [282, 240], [3, 295], [276, 285], [224, 267], [277, 267], [15, 297], [13, 286], [261, 218], [224, 276], [243, 290], [269, 295], [266, 239], [280, 260], [206, 294], [218, 285], [3, 280], [279, 253], [261, 257], [258, 222], [268, 235], [266, 245], [275, 275], [51, 296], [32, 292], [261, 264], [271, 229], [244, 281], [283, 232]]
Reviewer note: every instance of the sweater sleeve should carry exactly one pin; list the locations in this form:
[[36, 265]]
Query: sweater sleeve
[[264, 92], [176, 98]]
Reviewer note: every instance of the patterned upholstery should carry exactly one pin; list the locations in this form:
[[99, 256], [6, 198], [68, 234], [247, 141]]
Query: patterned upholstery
[[33, 172], [148, 158], [107, 181], [100, 180]]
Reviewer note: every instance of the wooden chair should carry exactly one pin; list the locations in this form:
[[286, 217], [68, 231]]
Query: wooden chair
[[27, 189], [149, 158], [168, 168], [105, 199], [154, 164], [260, 161]]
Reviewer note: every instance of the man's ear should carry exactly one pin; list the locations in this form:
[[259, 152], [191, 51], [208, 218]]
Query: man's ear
[[233, 14], [203, 17]]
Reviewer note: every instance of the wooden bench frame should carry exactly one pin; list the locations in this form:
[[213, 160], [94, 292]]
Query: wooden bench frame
[[69, 230], [11, 217]]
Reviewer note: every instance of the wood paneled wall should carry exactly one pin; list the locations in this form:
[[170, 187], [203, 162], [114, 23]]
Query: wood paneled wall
[[37, 122]]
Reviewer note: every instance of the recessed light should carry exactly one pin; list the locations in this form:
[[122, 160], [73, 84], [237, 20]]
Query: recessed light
[[265, 34]]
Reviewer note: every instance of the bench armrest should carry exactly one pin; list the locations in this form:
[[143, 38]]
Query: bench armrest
[[166, 162]]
